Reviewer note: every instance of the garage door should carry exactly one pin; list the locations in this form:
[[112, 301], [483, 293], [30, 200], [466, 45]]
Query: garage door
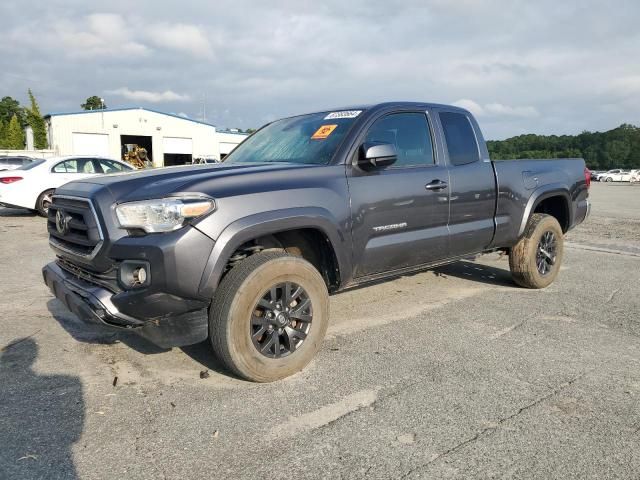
[[90, 144], [183, 146]]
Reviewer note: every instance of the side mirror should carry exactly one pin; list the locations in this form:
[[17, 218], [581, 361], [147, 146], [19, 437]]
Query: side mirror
[[377, 155]]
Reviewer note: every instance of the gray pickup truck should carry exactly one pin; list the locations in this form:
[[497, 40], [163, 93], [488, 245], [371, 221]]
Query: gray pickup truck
[[245, 253]]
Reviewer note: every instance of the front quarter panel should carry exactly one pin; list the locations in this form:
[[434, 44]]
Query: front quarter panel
[[252, 206]]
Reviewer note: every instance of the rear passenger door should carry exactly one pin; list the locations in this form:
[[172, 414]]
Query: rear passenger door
[[472, 184]]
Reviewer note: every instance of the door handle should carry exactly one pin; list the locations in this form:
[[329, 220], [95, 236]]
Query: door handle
[[436, 185]]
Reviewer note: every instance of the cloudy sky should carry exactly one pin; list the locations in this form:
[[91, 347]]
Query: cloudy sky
[[521, 66]]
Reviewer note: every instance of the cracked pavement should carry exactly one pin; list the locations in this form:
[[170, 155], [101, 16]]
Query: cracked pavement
[[455, 373]]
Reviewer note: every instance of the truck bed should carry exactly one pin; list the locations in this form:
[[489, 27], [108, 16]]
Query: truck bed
[[524, 183]]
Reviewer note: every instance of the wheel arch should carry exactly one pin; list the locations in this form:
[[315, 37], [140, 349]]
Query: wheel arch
[[313, 220], [40, 194], [553, 200]]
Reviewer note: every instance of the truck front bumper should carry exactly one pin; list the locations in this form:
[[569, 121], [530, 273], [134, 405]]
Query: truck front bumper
[[93, 304]]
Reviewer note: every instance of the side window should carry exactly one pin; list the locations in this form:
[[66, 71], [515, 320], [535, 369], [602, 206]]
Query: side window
[[68, 166], [461, 141], [110, 167], [409, 132], [85, 165], [80, 165]]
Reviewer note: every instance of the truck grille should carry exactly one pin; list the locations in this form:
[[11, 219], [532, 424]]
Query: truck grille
[[73, 226]]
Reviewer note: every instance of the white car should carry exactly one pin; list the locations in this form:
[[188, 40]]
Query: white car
[[615, 175], [31, 186], [634, 176]]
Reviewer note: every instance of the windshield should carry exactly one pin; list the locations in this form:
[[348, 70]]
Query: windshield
[[309, 139], [29, 166]]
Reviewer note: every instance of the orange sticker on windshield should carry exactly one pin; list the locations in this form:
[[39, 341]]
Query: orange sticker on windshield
[[323, 132]]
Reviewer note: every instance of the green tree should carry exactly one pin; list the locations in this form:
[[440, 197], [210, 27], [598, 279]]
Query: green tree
[[10, 107], [35, 120], [617, 152], [3, 132], [15, 135], [617, 148], [93, 103]]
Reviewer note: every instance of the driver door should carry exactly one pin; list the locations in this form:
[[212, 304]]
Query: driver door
[[399, 213]]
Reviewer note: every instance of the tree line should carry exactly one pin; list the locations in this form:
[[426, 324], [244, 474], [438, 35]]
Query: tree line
[[617, 148], [14, 118]]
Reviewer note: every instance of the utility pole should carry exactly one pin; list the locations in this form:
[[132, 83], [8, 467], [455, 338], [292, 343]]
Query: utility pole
[[102, 112], [204, 107]]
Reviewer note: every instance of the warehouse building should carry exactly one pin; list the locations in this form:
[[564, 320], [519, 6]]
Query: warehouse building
[[228, 140], [167, 139]]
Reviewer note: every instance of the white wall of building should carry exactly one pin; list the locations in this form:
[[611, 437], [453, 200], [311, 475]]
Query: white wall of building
[[229, 140], [98, 133]]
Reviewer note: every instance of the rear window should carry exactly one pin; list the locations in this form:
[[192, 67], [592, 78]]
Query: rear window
[[29, 166], [14, 161], [461, 141]]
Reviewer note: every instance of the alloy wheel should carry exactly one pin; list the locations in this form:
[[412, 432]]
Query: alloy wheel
[[281, 320], [546, 253]]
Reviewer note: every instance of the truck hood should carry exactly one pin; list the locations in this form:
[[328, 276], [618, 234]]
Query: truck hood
[[156, 183]]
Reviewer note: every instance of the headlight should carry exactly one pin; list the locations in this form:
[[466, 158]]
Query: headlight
[[164, 214]]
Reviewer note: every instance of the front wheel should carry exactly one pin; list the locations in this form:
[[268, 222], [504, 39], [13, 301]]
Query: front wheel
[[535, 260], [43, 202], [608, 179], [269, 316]]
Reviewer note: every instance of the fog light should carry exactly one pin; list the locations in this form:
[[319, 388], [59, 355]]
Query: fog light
[[139, 276], [134, 274]]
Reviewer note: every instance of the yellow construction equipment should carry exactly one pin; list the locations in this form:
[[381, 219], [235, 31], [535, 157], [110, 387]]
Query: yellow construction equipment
[[136, 156]]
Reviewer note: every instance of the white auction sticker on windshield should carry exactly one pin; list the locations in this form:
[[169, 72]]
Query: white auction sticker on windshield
[[344, 114]]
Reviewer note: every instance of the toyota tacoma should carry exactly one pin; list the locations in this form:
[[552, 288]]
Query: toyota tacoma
[[245, 253]]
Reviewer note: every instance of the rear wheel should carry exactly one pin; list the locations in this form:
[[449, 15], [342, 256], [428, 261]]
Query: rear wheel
[[269, 316], [43, 202], [608, 179], [535, 260]]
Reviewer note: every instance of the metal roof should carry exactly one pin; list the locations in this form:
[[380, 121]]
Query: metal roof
[[107, 110]]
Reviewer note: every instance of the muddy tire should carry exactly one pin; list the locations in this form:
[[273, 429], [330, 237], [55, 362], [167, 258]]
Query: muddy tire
[[43, 202], [535, 260], [269, 316]]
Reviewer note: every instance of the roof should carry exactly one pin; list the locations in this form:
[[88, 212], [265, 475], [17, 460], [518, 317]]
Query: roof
[[73, 157], [373, 107], [401, 104], [84, 112]]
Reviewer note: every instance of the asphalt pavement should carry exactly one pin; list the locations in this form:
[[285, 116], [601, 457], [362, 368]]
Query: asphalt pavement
[[453, 373]]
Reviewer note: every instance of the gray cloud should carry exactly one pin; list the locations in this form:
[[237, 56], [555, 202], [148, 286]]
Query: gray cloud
[[546, 67], [146, 96]]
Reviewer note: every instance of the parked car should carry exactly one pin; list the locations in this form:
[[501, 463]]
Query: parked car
[[32, 185], [204, 160], [246, 252], [595, 174], [615, 175], [13, 162]]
